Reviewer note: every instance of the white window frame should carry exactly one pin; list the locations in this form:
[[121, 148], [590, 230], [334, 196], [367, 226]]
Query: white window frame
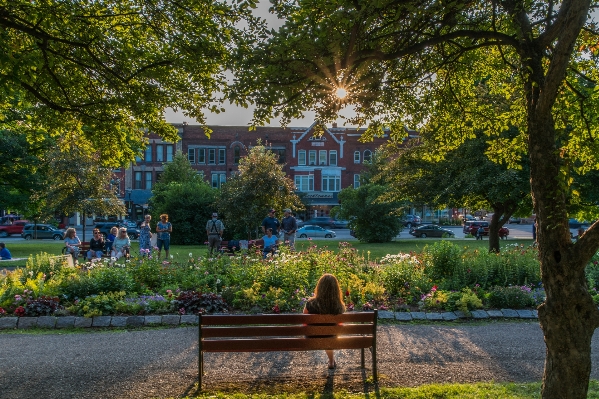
[[211, 156], [301, 157], [356, 181], [312, 157], [170, 153], [333, 158], [356, 156], [148, 182], [304, 183], [367, 155], [191, 155], [322, 157], [159, 153], [222, 156], [201, 156], [331, 183]]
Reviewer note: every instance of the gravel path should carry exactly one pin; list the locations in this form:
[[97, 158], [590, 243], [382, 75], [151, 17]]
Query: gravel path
[[159, 363]]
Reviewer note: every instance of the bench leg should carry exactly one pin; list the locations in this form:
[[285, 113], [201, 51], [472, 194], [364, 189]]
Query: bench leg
[[362, 358]]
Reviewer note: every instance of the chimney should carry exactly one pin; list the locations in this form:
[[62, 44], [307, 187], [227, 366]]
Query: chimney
[[334, 125]]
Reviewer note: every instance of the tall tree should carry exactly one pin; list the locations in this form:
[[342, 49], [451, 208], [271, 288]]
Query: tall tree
[[108, 69], [416, 63], [261, 184], [186, 198], [463, 177]]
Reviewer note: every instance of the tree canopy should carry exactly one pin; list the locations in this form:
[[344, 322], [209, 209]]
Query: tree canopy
[[244, 200], [106, 70], [527, 64]]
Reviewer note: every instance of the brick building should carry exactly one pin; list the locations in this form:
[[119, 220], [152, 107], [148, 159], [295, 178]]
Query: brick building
[[319, 165]]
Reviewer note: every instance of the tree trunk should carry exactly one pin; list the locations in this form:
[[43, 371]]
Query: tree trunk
[[494, 229], [568, 317]]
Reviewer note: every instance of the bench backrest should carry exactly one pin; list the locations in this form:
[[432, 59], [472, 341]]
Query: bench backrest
[[287, 332]]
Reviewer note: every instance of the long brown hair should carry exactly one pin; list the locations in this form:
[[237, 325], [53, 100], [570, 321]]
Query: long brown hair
[[328, 298]]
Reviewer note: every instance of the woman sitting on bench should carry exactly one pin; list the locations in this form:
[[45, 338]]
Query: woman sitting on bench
[[270, 243], [327, 299], [121, 245], [96, 246]]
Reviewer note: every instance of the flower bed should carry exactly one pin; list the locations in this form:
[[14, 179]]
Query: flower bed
[[442, 277]]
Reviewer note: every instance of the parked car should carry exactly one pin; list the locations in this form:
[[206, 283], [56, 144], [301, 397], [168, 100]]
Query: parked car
[[431, 230], [468, 218], [15, 227], [41, 230], [515, 220], [315, 231], [341, 224], [575, 224], [472, 227], [323, 221], [104, 228], [411, 220], [128, 223]]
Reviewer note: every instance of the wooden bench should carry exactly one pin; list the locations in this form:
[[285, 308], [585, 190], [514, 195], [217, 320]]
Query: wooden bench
[[287, 332], [84, 247]]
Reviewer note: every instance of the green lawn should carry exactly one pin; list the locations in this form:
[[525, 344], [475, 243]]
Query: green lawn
[[445, 391], [23, 249]]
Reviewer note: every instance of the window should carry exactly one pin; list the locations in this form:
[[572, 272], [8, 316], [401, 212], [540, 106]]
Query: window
[[367, 155], [148, 180], [212, 156], [201, 155], [356, 181], [322, 157], [218, 179], [191, 155], [158, 176], [159, 153], [137, 159], [333, 158], [331, 183], [169, 153], [304, 183], [280, 153], [301, 157], [148, 154], [138, 180], [312, 157], [236, 154], [221, 156], [357, 157]]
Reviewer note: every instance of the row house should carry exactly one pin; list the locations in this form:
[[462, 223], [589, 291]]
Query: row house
[[320, 165]]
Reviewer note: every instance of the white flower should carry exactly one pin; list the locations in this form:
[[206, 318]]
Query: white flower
[[172, 257], [106, 260], [190, 255], [128, 260], [218, 281]]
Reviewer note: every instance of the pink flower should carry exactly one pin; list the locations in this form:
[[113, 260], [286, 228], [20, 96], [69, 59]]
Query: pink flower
[[182, 311], [20, 311]]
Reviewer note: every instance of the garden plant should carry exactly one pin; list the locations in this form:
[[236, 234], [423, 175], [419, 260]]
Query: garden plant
[[442, 277]]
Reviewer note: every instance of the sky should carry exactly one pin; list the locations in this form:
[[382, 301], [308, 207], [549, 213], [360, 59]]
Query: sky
[[238, 116]]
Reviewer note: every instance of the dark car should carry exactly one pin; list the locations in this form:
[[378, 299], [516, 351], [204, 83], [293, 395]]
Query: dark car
[[104, 228], [515, 220], [575, 224], [324, 221], [471, 227], [431, 230], [41, 230], [411, 220], [341, 224]]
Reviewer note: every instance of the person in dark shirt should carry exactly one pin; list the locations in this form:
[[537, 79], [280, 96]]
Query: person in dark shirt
[[96, 245], [4, 252], [271, 222], [289, 227]]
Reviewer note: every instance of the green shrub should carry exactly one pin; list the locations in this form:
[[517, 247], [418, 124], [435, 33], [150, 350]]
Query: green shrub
[[442, 261], [513, 297], [97, 305]]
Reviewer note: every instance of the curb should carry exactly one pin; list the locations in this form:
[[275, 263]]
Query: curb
[[54, 322]]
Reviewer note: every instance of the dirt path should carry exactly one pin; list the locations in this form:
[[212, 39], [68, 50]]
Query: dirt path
[[163, 363]]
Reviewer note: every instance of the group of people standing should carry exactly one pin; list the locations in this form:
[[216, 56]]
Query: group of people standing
[[272, 229]]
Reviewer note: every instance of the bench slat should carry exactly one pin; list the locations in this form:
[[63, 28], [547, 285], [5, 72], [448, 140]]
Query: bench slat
[[286, 344], [270, 319], [284, 331]]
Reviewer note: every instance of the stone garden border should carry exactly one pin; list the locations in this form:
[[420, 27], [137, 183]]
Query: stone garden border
[[54, 322]]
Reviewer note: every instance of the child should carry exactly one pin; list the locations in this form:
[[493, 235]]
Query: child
[[110, 238], [4, 252]]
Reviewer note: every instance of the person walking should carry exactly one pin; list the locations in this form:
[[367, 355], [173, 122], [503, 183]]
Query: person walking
[[214, 230], [479, 233], [145, 236], [327, 299], [164, 228], [271, 222], [289, 227]]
